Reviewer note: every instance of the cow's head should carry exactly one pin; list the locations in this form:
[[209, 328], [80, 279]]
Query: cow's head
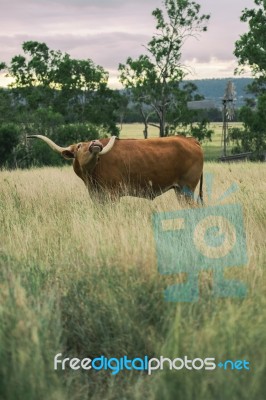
[[85, 153]]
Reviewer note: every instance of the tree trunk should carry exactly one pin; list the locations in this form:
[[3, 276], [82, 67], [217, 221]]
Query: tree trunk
[[145, 121], [145, 132], [162, 125]]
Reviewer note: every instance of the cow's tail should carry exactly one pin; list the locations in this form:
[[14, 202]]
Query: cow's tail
[[201, 189]]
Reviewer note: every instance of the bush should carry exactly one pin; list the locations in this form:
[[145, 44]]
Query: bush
[[74, 133], [253, 136], [9, 139], [39, 153]]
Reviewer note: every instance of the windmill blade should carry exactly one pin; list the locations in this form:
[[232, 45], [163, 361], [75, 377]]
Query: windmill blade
[[230, 97], [230, 92], [228, 112]]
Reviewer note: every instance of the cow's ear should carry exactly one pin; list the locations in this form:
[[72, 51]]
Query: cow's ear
[[68, 154]]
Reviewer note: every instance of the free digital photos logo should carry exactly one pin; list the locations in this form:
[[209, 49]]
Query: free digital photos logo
[[205, 238]]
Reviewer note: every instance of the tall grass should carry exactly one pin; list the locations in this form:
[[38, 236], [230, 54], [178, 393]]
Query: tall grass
[[82, 279]]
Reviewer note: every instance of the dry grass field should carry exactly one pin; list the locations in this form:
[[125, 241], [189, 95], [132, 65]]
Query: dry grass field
[[81, 279]]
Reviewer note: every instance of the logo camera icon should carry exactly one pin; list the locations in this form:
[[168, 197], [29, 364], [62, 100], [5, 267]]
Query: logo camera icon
[[192, 240]]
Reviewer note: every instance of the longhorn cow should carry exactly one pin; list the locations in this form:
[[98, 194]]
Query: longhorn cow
[[137, 167]]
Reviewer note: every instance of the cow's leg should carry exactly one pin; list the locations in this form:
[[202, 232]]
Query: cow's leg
[[184, 193], [100, 194]]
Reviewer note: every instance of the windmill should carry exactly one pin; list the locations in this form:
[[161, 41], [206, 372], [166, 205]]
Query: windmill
[[228, 112]]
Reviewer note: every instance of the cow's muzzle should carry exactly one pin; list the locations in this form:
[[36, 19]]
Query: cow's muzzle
[[95, 146]]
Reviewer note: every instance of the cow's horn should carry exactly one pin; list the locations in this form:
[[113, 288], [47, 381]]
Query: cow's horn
[[50, 143], [108, 147]]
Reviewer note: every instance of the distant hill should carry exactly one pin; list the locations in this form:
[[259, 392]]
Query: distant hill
[[213, 89]]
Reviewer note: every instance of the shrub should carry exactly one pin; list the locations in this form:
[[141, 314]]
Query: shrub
[[9, 139]]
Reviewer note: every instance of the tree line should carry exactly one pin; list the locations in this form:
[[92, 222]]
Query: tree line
[[70, 101]]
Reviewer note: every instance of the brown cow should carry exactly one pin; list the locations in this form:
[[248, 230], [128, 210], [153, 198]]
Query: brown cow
[[137, 167]]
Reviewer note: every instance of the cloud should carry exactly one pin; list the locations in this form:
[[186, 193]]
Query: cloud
[[90, 3], [106, 49], [108, 31]]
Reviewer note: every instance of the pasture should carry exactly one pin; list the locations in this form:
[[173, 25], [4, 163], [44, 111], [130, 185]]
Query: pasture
[[212, 150], [82, 280]]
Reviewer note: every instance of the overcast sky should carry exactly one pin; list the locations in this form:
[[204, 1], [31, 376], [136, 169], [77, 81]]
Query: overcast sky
[[108, 31]]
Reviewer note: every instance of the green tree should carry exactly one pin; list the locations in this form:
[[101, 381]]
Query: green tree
[[122, 102], [7, 108], [49, 68], [55, 95], [253, 136], [50, 79], [250, 50], [9, 139], [154, 78]]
